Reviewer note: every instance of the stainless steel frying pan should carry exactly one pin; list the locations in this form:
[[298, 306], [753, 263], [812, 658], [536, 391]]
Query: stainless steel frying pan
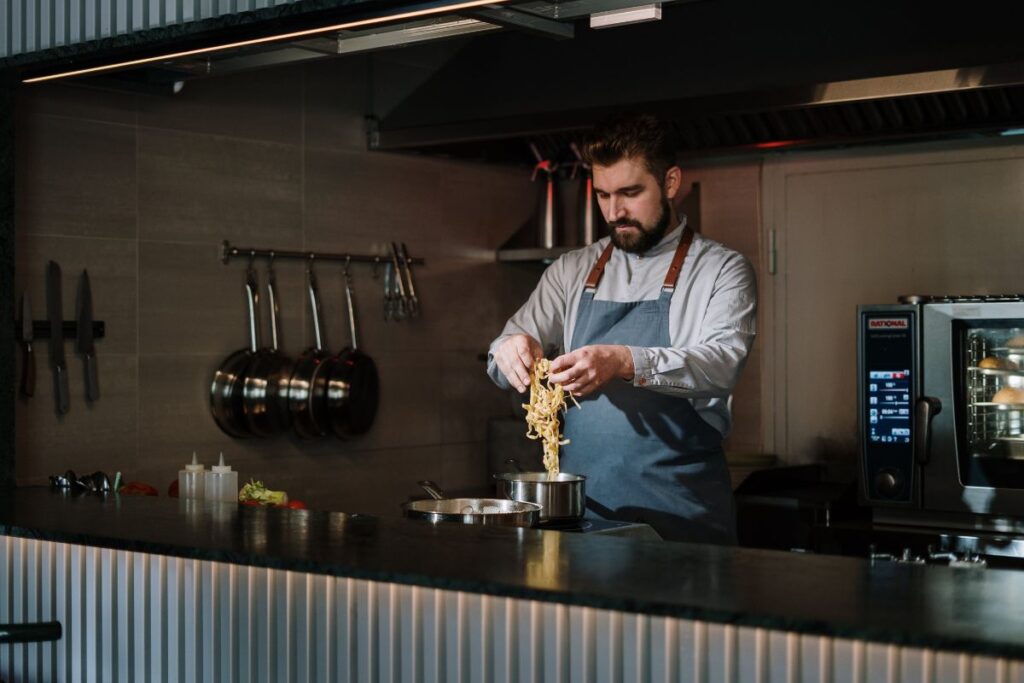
[[493, 511], [226, 388], [307, 419], [268, 378]]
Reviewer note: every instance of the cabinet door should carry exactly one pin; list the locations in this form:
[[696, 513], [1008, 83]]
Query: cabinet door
[[864, 227]]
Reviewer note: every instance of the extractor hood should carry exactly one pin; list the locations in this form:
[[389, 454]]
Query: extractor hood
[[976, 101]]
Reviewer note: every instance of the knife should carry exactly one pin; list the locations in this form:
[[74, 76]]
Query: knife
[[402, 301], [28, 363], [414, 302], [388, 277], [84, 344], [55, 311]]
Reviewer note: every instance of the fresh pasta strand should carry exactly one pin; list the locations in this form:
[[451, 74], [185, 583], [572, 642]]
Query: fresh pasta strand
[[546, 401]]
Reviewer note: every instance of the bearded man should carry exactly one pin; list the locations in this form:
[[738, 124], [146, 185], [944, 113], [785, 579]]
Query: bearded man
[[653, 325]]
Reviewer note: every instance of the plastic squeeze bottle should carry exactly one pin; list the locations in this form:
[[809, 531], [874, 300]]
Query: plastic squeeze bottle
[[192, 480], [222, 483]]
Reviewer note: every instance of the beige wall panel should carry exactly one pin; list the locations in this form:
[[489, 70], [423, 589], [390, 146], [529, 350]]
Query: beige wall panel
[[858, 228]]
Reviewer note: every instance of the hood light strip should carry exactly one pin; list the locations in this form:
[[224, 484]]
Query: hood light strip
[[268, 39]]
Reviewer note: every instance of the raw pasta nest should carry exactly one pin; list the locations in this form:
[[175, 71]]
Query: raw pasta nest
[[546, 401]]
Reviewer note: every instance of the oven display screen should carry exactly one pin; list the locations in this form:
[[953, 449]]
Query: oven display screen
[[888, 408]]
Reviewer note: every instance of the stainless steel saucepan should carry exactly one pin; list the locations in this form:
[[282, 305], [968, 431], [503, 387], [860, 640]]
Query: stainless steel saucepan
[[496, 511], [562, 496]]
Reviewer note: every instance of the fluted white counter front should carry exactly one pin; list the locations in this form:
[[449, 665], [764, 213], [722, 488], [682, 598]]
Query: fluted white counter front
[[138, 615]]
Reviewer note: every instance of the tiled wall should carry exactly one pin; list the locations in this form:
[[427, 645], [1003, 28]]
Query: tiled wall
[[141, 190]]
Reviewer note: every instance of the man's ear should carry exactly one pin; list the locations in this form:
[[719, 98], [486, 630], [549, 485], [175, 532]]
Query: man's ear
[[673, 181]]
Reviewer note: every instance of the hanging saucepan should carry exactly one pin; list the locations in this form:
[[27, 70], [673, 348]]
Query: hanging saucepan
[[309, 369], [268, 378], [561, 496], [496, 511], [353, 388], [226, 389]]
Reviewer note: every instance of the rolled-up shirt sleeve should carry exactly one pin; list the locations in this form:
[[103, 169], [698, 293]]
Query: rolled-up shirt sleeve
[[711, 367], [541, 317]]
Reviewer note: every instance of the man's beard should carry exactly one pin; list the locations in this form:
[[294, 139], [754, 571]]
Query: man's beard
[[643, 239]]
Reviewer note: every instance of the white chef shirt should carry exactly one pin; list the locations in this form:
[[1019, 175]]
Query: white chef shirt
[[711, 317]]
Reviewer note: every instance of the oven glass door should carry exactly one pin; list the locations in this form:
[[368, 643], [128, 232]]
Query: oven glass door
[[990, 402]]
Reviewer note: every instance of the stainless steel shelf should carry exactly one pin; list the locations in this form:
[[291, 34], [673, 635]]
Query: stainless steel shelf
[[532, 254]]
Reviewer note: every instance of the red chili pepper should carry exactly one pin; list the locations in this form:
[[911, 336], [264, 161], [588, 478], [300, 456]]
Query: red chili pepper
[[172, 490], [296, 505]]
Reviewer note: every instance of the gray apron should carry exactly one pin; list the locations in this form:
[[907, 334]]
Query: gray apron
[[648, 456]]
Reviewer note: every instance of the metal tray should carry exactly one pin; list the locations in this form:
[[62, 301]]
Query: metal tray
[[1013, 447], [999, 406], [996, 372]]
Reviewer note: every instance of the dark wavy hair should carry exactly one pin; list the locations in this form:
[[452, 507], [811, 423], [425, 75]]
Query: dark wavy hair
[[631, 136]]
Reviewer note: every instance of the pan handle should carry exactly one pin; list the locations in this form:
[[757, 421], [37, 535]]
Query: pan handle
[[252, 293], [514, 464], [275, 323], [433, 489], [351, 308], [314, 306]]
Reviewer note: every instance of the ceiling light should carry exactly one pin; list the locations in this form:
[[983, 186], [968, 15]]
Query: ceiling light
[[630, 15]]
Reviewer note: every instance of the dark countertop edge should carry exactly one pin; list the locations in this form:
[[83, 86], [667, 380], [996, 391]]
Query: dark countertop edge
[[210, 31], [565, 596]]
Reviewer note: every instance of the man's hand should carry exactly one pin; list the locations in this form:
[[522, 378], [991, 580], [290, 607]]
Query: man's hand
[[589, 368], [515, 357]]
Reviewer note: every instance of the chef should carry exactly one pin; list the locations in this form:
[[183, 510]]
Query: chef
[[653, 325]]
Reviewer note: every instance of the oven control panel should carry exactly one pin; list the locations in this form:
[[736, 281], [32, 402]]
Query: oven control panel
[[887, 366]]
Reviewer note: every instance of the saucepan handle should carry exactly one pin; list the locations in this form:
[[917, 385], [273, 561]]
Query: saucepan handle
[[514, 464], [433, 489]]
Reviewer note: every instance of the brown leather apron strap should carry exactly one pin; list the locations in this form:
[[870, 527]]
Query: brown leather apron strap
[[598, 270], [685, 240]]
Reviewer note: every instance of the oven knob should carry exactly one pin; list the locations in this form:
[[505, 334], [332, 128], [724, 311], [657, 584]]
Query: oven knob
[[889, 483]]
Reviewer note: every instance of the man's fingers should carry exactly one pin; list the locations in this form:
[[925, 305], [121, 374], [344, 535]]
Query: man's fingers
[[525, 356], [562, 378], [509, 365], [503, 366], [524, 379], [578, 388], [563, 362]]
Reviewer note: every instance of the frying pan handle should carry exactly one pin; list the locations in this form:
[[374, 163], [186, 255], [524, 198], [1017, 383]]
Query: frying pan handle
[[433, 489], [351, 309], [275, 324], [314, 307], [252, 293]]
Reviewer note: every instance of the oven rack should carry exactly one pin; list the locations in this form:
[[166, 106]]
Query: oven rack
[[997, 372]]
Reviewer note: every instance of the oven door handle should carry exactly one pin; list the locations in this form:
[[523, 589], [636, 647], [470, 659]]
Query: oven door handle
[[925, 409]]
